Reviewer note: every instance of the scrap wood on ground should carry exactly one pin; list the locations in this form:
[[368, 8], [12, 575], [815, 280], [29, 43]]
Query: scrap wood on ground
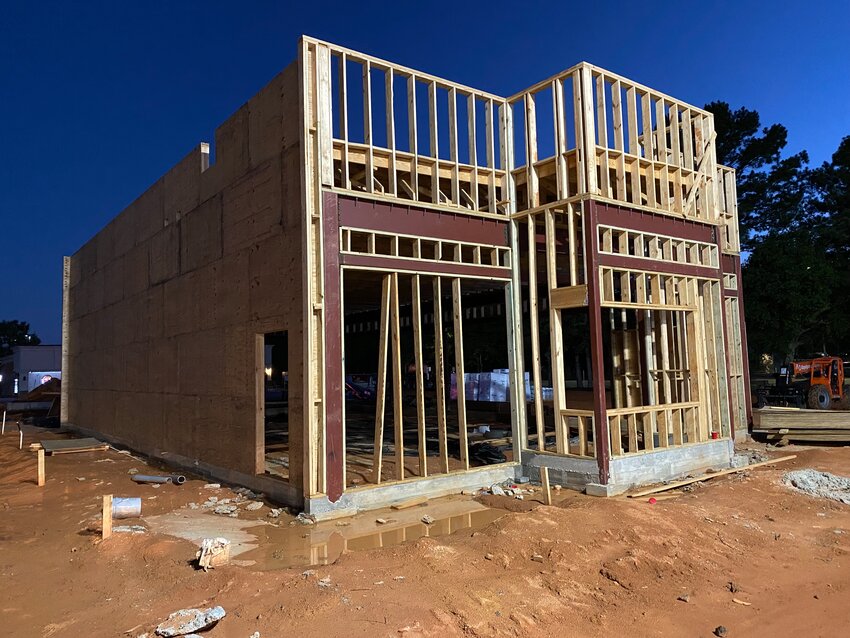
[[706, 477]]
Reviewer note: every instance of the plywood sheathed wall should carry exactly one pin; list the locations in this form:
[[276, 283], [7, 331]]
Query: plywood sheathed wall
[[166, 300]]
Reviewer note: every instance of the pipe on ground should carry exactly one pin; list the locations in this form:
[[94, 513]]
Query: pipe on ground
[[178, 479]]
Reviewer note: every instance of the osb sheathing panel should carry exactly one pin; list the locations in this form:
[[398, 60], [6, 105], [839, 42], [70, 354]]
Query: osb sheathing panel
[[167, 299]]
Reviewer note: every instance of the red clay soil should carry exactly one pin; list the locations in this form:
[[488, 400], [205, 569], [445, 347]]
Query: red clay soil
[[600, 567]]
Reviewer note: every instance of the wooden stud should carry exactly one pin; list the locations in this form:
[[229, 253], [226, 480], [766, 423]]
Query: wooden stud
[[432, 116], [440, 375], [459, 374], [556, 338], [420, 380], [381, 384], [398, 398], [390, 113], [535, 332], [453, 149], [412, 134], [367, 127]]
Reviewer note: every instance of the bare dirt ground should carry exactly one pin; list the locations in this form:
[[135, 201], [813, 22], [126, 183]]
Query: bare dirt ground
[[604, 567]]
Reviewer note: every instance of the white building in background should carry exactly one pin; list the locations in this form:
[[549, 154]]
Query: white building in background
[[28, 367]]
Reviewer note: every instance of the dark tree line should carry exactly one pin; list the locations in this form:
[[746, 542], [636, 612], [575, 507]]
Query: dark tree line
[[795, 236]]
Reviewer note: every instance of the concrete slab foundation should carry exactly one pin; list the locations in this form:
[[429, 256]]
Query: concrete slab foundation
[[373, 497]]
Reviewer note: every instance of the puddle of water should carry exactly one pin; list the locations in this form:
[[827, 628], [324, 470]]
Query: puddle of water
[[321, 544], [268, 546]]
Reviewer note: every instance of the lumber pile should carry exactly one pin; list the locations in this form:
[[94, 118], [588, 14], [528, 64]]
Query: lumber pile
[[794, 424]]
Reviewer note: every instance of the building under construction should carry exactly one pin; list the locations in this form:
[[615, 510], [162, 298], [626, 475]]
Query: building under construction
[[390, 285]]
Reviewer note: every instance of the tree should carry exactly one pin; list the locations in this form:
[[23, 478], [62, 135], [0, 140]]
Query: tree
[[774, 193], [788, 295], [16, 333], [832, 181]]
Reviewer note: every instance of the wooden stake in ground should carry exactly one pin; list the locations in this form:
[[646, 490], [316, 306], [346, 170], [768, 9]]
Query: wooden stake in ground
[[41, 468], [106, 527], [544, 481]]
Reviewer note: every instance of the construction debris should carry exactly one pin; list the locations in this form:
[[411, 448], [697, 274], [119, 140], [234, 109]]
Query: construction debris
[[69, 446], [187, 621], [213, 552], [820, 484]]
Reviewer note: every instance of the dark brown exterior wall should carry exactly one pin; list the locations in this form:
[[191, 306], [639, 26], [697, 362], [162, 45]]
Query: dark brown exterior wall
[[165, 302]]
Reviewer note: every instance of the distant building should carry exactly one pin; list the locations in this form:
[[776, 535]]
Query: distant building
[[28, 367]]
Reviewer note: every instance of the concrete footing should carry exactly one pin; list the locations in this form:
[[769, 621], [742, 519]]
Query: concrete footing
[[631, 470], [384, 495]]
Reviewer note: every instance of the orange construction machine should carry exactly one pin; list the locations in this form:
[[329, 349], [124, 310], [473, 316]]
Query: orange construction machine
[[815, 383]]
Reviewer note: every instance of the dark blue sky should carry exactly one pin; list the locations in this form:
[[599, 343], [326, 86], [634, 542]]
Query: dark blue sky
[[97, 100]]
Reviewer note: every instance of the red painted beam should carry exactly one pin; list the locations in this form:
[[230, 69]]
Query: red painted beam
[[334, 373], [446, 268], [643, 221], [412, 220]]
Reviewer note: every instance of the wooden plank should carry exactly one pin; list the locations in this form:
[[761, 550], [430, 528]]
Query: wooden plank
[[40, 479], [459, 375], [706, 477], [106, 517], [419, 372], [381, 384], [398, 398], [69, 446], [568, 297], [411, 502], [440, 375]]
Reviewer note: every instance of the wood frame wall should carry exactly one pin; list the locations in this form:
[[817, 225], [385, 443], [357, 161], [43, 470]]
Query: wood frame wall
[[615, 144]]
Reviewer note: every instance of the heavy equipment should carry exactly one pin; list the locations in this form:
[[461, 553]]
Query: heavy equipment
[[817, 383]]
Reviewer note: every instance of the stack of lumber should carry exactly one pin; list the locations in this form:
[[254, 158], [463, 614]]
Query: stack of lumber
[[794, 424]]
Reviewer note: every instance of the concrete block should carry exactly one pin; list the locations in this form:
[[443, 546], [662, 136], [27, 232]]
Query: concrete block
[[595, 489], [663, 465], [201, 235]]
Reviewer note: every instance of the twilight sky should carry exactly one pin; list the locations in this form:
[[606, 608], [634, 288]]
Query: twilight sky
[[97, 101]]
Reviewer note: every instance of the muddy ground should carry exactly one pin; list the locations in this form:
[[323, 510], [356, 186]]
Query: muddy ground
[[582, 567]]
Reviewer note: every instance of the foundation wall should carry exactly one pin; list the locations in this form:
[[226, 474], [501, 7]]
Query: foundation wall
[[164, 304], [664, 465]]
